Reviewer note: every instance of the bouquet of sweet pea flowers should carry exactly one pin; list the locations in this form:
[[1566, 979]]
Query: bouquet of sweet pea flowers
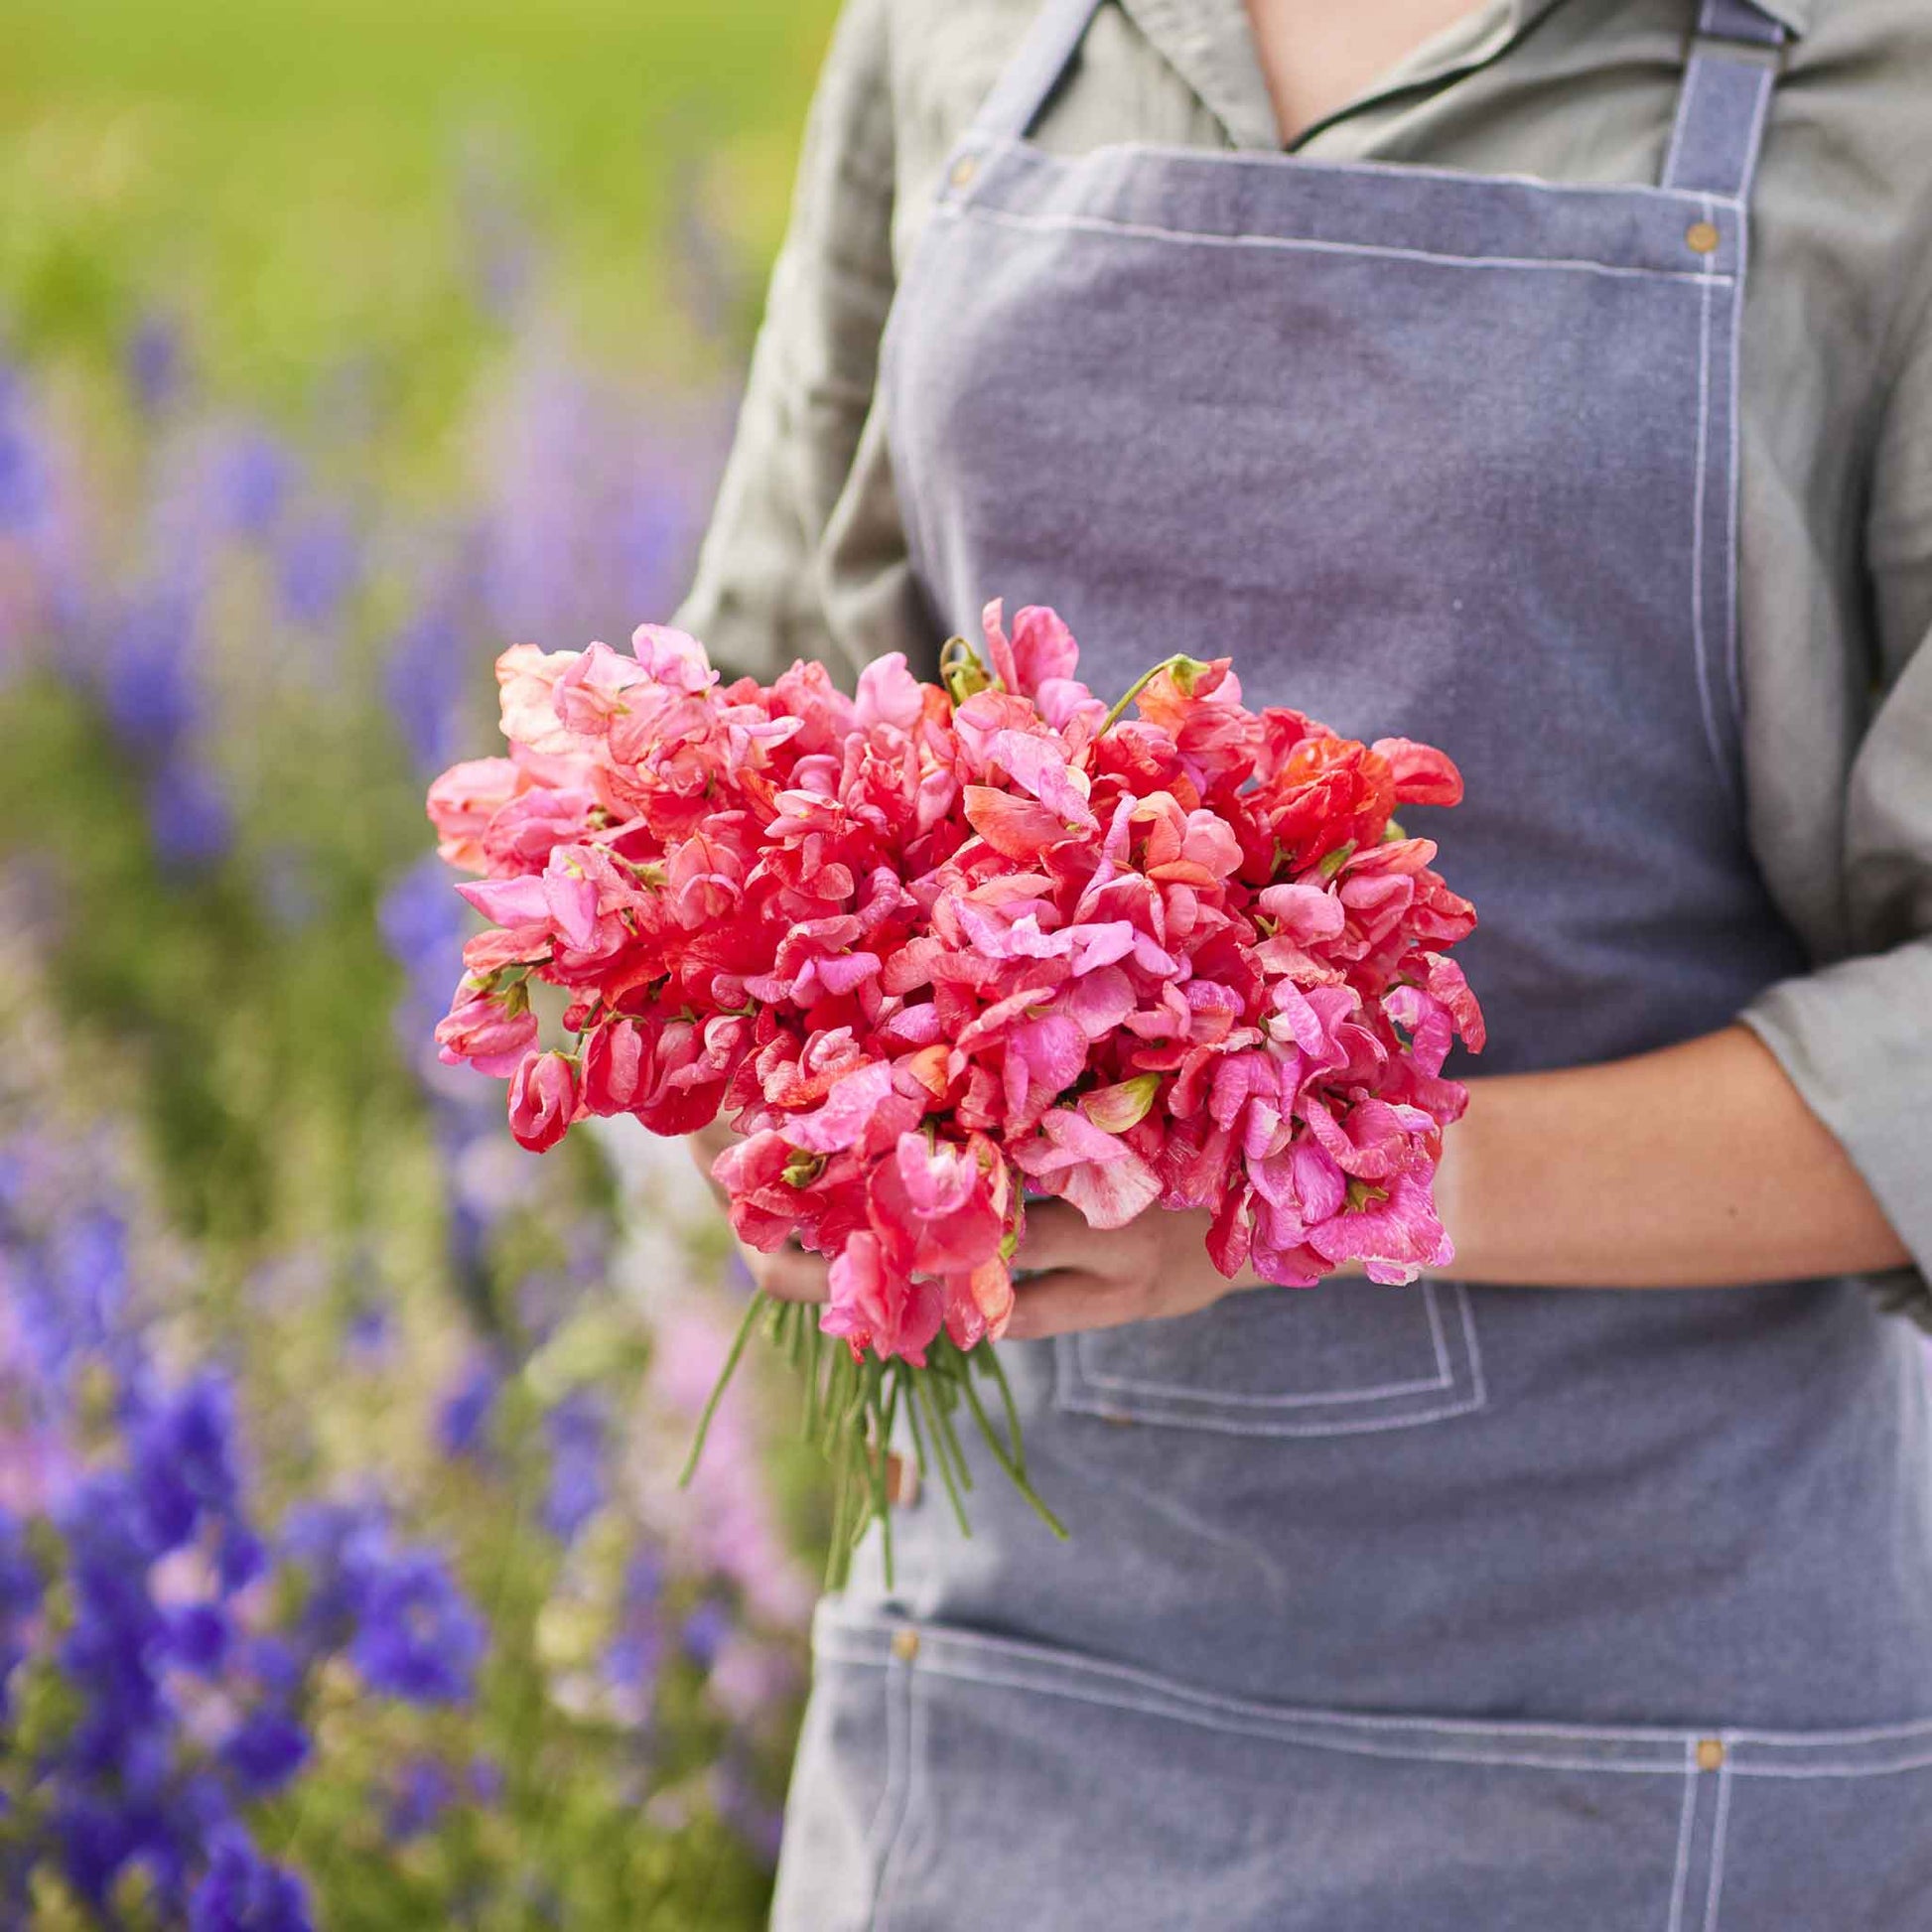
[[934, 947]]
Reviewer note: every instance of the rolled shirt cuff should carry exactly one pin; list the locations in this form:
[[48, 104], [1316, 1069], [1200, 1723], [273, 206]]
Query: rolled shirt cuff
[[1855, 1041]]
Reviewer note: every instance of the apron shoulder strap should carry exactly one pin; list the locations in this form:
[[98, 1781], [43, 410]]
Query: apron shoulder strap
[[1009, 110], [1728, 86]]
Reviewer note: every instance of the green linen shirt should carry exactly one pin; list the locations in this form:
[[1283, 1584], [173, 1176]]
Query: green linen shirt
[[806, 556]]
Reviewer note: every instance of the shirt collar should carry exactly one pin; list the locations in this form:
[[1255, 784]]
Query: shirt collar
[[1211, 45]]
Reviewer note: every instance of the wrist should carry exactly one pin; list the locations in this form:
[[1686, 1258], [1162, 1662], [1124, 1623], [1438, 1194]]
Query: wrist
[[1459, 1187]]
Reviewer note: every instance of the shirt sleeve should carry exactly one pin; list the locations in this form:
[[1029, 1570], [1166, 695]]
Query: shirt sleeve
[[1855, 1037], [758, 599]]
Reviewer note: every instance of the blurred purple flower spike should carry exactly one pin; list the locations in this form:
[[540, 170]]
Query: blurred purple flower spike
[[156, 362]]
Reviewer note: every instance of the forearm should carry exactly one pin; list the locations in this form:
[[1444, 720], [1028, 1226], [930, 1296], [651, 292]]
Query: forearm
[[1697, 1165]]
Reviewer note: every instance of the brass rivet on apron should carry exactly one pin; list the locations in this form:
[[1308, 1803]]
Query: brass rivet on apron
[[906, 1644], [1702, 239], [963, 171], [1711, 1754]]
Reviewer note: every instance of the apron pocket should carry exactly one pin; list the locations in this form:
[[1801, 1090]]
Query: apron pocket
[[1044, 1790], [1333, 1361], [1826, 1833]]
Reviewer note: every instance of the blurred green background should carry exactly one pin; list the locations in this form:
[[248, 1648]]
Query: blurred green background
[[340, 346], [295, 179]]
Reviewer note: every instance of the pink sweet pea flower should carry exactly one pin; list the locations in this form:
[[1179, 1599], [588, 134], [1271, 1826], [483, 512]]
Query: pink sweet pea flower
[[1423, 774], [619, 1067], [1015, 828], [888, 694], [528, 679], [672, 657], [543, 1100], [591, 691], [766, 1207], [940, 1207], [462, 801], [1304, 913], [979, 1303], [1042, 646], [489, 1032], [1396, 1236], [875, 1306], [1096, 1172], [1038, 764], [1372, 1140], [841, 1118], [570, 896], [521, 835]]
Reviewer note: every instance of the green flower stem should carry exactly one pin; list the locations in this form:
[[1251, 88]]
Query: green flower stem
[[879, 1406], [1010, 1463], [851, 1409], [919, 1434], [754, 1309], [988, 1358], [1138, 685], [941, 1430]]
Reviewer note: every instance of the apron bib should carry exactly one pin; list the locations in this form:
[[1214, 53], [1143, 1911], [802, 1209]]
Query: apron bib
[[1390, 1609]]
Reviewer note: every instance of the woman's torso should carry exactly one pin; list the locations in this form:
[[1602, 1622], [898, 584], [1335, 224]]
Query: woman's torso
[[1432, 450]]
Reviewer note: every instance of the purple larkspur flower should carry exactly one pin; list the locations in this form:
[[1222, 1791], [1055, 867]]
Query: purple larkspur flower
[[95, 1839], [118, 1635], [462, 1417], [273, 1665], [241, 1891], [198, 1636], [631, 1659], [69, 1292], [20, 1598], [394, 1611], [704, 1632], [240, 1557], [318, 565], [25, 485], [337, 1546], [419, 1639], [484, 1781], [183, 1454], [265, 1751], [424, 1791], [430, 664], [252, 476], [578, 1432], [370, 1331], [155, 362], [188, 813], [147, 678]]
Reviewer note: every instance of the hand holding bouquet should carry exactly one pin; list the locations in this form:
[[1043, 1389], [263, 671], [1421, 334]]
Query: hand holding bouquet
[[935, 945]]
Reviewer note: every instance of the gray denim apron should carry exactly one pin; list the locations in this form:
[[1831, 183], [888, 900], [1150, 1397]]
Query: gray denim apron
[[1395, 1610]]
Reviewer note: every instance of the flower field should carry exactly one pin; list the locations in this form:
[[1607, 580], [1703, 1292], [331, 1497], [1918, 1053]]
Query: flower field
[[345, 1575]]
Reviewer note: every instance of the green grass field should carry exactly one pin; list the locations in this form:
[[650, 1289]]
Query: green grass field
[[292, 179]]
